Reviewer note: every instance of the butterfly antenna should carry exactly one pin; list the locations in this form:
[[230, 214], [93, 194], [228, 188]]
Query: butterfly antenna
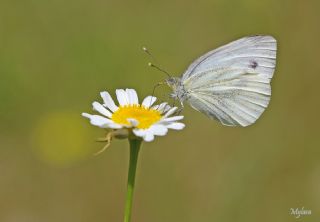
[[153, 65], [147, 51], [158, 68]]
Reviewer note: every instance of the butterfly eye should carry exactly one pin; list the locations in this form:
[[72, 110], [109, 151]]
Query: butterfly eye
[[171, 82]]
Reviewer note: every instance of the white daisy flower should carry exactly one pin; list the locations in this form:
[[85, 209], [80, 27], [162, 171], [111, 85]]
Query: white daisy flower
[[145, 120]]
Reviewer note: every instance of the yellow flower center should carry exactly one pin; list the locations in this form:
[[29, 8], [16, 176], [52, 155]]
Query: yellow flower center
[[145, 116]]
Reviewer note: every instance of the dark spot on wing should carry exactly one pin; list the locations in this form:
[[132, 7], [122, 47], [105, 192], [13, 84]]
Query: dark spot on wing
[[253, 64]]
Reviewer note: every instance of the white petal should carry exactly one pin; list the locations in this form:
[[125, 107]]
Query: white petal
[[114, 125], [166, 108], [170, 112], [133, 97], [133, 122], [97, 120], [156, 107], [108, 101], [101, 109], [175, 126], [172, 119], [163, 107], [122, 97], [158, 130], [139, 132], [148, 101], [148, 137]]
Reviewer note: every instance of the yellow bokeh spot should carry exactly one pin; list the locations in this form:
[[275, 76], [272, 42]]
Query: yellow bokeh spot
[[145, 116], [62, 139]]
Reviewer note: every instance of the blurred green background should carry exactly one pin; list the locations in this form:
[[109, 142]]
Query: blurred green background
[[55, 58]]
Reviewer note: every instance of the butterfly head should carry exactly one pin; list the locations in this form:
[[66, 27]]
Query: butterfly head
[[172, 82], [178, 91]]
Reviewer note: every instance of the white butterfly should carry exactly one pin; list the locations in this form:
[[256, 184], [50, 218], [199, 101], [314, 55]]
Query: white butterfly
[[232, 83]]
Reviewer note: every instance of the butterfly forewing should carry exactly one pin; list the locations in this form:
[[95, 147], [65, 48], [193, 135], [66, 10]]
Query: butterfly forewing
[[232, 83]]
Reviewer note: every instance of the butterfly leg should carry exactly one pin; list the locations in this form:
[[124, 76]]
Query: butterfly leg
[[180, 109], [156, 86], [174, 102]]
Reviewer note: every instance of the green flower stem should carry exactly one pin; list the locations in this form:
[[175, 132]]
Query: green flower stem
[[134, 152]]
